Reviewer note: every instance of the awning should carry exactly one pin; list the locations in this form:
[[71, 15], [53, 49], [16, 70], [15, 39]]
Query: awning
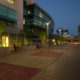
[[12, 30]]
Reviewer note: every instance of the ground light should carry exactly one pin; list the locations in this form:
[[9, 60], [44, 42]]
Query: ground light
[[54, 42]]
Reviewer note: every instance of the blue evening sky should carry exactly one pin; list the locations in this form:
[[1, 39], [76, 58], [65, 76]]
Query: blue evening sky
[[65, 13]]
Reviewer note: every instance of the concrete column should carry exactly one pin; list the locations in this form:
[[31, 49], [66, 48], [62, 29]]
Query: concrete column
[[30, 2], [20, 14], [79, 40]]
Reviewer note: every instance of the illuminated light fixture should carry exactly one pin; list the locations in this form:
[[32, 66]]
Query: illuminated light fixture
[[47, 36], [7, 41], [24, 21], [32, 30], [60, 30], [29, 12], [41, 15], [10, 1], [53, 40]]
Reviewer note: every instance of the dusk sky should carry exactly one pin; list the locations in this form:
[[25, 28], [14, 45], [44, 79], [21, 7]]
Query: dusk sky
[[65, 13]]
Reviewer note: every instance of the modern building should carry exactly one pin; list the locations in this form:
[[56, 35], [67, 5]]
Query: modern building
[[76, 39], [11, 23], [35, 20], [79, 31], [19, 15]]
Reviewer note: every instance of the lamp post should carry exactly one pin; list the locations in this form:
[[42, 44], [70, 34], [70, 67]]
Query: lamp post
[[47, 37], [60, 33]]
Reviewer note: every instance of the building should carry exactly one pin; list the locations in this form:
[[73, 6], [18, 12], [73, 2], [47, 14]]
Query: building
[[35, 20], [11, 23], [75, 39], [79, 30], [19, 15]]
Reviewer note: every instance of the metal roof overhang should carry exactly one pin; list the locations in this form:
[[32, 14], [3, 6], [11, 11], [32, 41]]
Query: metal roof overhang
[[12, 30]]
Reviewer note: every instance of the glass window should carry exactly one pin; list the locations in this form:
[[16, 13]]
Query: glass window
[[5, 41], [10, 24], [2, 25], [36, 11], [39, 22], [12, 14], [24, 21], [41, 15], [10, 1], [7, 12], [3, 10], [25, 12], [29, 22]]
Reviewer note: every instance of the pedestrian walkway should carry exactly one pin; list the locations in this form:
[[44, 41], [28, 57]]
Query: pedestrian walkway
[[42, 67], [15, 72]]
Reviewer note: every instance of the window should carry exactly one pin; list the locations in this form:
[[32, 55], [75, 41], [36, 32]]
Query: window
[[2, 25], [25, 12], [10, 1], [3, 10], [5, 41], [12, 14], [41, 15], [24, 21], [7, 12], [10, 24]]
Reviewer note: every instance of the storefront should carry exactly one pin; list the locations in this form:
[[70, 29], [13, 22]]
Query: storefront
[[4, 40], [10, 37]]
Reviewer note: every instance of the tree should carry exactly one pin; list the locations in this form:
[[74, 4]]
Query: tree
[[66, 33], [43, 36]]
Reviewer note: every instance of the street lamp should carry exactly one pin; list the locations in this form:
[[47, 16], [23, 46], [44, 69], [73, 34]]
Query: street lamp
[[47, 36], [60, 33]]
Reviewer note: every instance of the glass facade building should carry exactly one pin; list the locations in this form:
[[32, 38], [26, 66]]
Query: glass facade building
[[8, 16], [36, 19], [20, 22]]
